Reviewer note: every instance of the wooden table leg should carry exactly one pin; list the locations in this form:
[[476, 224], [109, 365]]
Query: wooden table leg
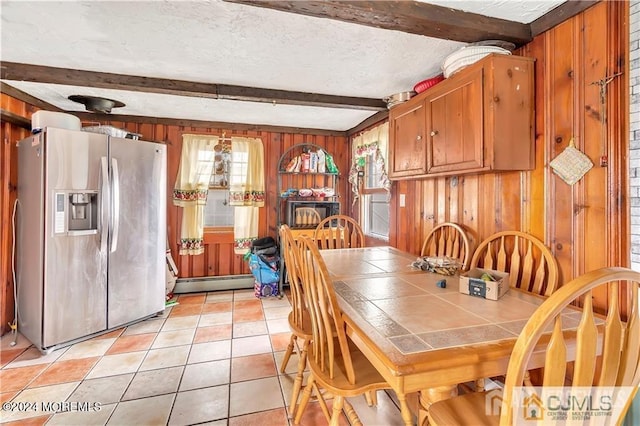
[[407, 418], [429, 396]]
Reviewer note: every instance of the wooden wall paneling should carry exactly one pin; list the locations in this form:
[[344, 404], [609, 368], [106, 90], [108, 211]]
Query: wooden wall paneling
[[469, 206], [618, 136], [272, 143], [398, 233], [9, 135], [535, 181], [220, 256], [591, 211], [416, 235], [443, 204], [411, 231], [147, 130], [174, 149], [410, 226], [428, 203], [393, 214], [270, 165], [456, 196], [198, 263], [6, 237], [486, 202], [212, 259], [559, 98], [511, 200]]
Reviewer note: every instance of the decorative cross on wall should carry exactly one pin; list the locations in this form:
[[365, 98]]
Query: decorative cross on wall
[[604, 161]]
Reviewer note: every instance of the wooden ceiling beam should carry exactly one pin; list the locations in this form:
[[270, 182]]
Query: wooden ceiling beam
[[44, 74], [103, 118], [560, 14], [407, 16]]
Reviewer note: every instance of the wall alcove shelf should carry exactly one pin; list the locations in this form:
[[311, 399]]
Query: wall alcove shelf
[[307, 190]]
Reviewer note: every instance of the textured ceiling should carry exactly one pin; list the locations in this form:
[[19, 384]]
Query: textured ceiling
[[228, 43]]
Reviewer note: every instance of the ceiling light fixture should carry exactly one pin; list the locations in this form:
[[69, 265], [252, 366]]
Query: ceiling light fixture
[[96, 104]]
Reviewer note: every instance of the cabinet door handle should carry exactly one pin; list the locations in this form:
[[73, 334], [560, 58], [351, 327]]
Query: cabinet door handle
[[419, 137], [434, 132]]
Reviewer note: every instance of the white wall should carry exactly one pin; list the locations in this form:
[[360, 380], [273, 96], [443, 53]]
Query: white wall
[[634, 130], [633, 417]]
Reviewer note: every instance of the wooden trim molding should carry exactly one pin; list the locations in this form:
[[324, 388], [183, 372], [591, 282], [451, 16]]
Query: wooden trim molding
[[560, 14], [374, 119], [26, 98], [45, 74], [16, 119]]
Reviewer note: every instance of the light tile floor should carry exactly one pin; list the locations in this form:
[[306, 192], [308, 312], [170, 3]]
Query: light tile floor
[[212, 359]]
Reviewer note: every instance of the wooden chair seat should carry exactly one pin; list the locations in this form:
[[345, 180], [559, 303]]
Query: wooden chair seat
[[606, 355], [467, 409], [368, 378], [300, 329]]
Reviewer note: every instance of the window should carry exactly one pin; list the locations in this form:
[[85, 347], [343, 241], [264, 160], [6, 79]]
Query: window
[[239, 167], [230, 168], [369, 181], [375, 201], [218, 212]]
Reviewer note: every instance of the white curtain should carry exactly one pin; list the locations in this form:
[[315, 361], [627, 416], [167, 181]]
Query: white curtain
[[375, 143], [191, 189], [246, 190]]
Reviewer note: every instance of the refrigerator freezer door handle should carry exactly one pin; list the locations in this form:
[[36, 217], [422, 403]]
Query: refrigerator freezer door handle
[[116, 204], [104, 226]]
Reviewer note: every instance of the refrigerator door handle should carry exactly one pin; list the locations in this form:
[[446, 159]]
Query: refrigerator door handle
[[104, 226], [115, 204]]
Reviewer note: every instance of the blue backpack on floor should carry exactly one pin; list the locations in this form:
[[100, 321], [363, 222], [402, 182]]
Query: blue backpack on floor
[[265, 269], [264, 263]]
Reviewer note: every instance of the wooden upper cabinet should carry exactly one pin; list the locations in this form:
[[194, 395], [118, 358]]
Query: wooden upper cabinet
[[454, 126], [480, 119], [407, 127]]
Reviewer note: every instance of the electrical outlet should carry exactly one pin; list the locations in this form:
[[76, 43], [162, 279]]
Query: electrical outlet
[[402, 200]]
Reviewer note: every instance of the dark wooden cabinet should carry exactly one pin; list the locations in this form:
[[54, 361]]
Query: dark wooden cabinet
[[407, 157], [480, 119]]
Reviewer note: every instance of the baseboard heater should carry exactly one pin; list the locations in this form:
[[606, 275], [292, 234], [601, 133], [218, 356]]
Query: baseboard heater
[[227, 282]]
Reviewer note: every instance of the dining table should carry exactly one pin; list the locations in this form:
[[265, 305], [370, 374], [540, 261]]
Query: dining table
[[421, 335]]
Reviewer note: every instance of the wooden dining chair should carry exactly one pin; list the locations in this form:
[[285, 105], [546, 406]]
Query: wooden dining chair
[[299, 319], [335, 363], [307, 217], [448, 239], [607, 352], [339, 231], [531, 265]]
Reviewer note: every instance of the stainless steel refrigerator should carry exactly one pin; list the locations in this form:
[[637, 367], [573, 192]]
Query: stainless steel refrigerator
[[91, 234]]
